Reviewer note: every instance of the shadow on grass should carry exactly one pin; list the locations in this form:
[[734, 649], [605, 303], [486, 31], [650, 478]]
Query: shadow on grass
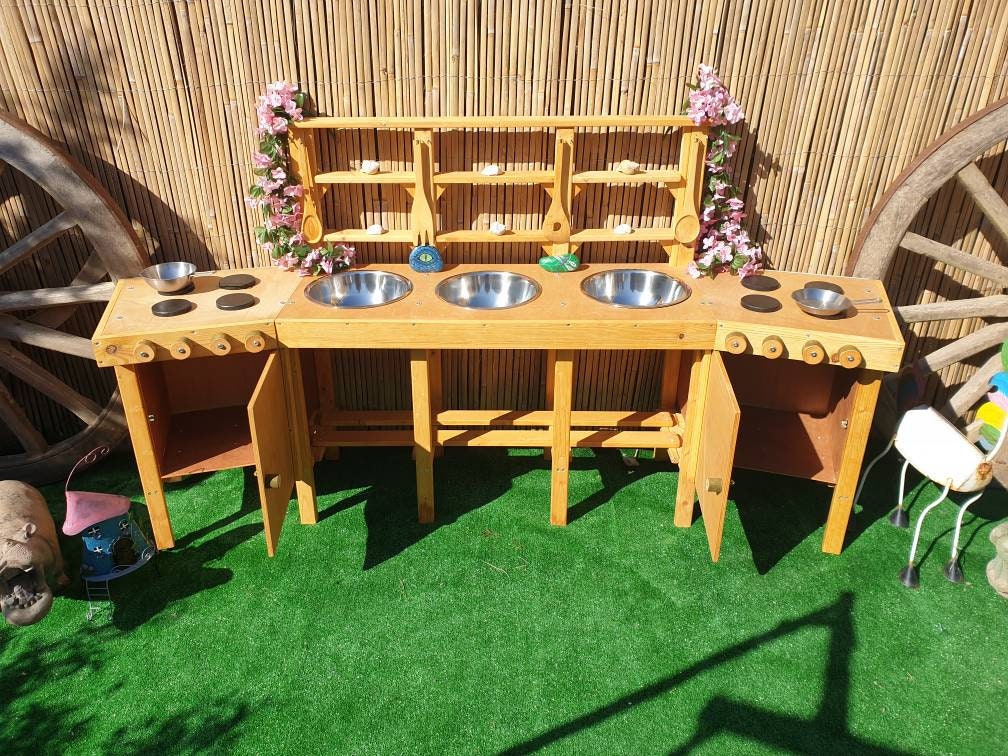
[[41, 716], [826, 732], [382, 481]]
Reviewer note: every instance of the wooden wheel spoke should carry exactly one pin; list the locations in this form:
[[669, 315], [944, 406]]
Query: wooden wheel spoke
[[955, 257], [46, 338], [19, 365], [37, 239], [91, 272], [966, 347], [15, 419], [995, 306], [986, 197], [65, 295], [973, 390]]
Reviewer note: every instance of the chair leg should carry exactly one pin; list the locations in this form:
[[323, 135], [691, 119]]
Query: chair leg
[[909, 575], [952, 570], [898, 516], [868, 468]]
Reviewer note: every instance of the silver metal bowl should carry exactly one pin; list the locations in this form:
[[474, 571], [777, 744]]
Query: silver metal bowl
[[169, 277], [358, 288], [632, 287], [488, 290], [825, 303]]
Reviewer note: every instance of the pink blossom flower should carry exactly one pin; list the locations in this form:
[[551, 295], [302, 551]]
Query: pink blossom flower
[[260, 160], [279, 174], [294, 190], [693, 270]]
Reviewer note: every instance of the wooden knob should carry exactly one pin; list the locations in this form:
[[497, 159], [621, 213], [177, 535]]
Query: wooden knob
[[849, 357], [181, 349], [736, 343], [714, 485], [255, 341], [144, 351], [220, 343], [813, 352], [773, 347]]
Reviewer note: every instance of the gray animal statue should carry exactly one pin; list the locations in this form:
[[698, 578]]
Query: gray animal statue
[[30, 560], [997, 568]]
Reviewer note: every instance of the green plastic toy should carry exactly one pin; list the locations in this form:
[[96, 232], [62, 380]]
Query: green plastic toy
[[560, 263]]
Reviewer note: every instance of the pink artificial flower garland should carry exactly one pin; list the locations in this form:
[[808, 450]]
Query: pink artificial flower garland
[[723, 243], [278, 195]]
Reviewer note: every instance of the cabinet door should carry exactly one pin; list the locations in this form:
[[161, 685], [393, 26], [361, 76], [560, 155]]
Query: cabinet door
[[274, 459], [719, 424]]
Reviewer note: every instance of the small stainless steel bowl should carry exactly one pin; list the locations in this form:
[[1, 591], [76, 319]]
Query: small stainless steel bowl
[[358, 288], [635, 288], [826, 303], [488, 290], [169, 277]]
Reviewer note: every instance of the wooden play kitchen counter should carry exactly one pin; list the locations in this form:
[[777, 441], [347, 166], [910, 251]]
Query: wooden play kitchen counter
[[793, 393]]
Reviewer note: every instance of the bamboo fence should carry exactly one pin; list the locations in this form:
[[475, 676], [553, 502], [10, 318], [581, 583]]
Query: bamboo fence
[[157, 98]]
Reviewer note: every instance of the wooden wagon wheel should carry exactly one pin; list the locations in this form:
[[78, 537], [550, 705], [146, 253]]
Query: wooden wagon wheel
[[32, 319]]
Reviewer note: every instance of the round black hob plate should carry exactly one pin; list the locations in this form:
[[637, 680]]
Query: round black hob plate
[[171, 307], [187, 290], [760, 303], [235, 301], [824, 285], [238, 281], [761, 283]]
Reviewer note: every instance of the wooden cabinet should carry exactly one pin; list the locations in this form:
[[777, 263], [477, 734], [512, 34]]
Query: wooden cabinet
[[205, 414]]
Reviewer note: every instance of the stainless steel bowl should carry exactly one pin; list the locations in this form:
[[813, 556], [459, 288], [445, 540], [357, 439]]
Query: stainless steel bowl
[[358, 288], [825, 303], [169, 277], [488, 290], [632, 287]]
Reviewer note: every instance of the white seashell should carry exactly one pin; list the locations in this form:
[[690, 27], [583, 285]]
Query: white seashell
[[623, 229], [492, 170], [497, 228], [628, 166], [376, 229], [370, 167]]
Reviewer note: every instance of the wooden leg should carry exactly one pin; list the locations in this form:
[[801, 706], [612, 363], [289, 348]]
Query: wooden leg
[[689, 455], [669, 388], [436, 392], [423, 432], [866, 390], [550, 362], [145, 417], [563, 377], [300, 436]]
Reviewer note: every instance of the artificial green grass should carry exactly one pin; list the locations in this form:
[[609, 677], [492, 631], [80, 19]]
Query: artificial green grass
[[492, 632]]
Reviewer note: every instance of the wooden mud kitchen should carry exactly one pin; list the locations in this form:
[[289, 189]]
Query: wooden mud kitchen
[[235, 371]]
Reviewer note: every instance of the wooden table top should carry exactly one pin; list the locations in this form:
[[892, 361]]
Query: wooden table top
[[562, 317]]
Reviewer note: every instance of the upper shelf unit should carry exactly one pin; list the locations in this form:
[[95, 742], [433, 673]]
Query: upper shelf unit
[[562, 182]]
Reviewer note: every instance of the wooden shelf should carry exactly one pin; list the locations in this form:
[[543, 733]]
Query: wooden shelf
[[515, 237], [508, 177], [356, 177], [207, 440], [608, 235], [615, 177], [361, 235], [809, 442]]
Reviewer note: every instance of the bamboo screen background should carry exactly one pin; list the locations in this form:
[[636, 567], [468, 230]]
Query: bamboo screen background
[[157, 98]]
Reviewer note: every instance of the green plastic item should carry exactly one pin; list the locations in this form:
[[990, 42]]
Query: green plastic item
[[560, 263], [1004, 355]]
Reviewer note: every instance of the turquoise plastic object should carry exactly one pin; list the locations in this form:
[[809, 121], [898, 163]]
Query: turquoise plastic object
[[425, 258], [1000, 382]]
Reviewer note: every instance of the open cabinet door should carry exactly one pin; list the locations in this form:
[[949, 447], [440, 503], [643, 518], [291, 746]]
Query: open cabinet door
[[719, 423], [274, 459]]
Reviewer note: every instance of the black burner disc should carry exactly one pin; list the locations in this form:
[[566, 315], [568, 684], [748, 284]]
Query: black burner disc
[[235, 301], [761, 283], [187, 290], [824, 285], [760, 303], [238, 281], [171, 307]]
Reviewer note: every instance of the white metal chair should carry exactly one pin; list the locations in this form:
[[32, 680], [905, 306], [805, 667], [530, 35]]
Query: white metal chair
[[940, 452]]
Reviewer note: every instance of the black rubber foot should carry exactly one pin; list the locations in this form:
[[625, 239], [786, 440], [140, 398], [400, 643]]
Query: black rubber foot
[[899, 518], [953, 572], [910, 577]]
